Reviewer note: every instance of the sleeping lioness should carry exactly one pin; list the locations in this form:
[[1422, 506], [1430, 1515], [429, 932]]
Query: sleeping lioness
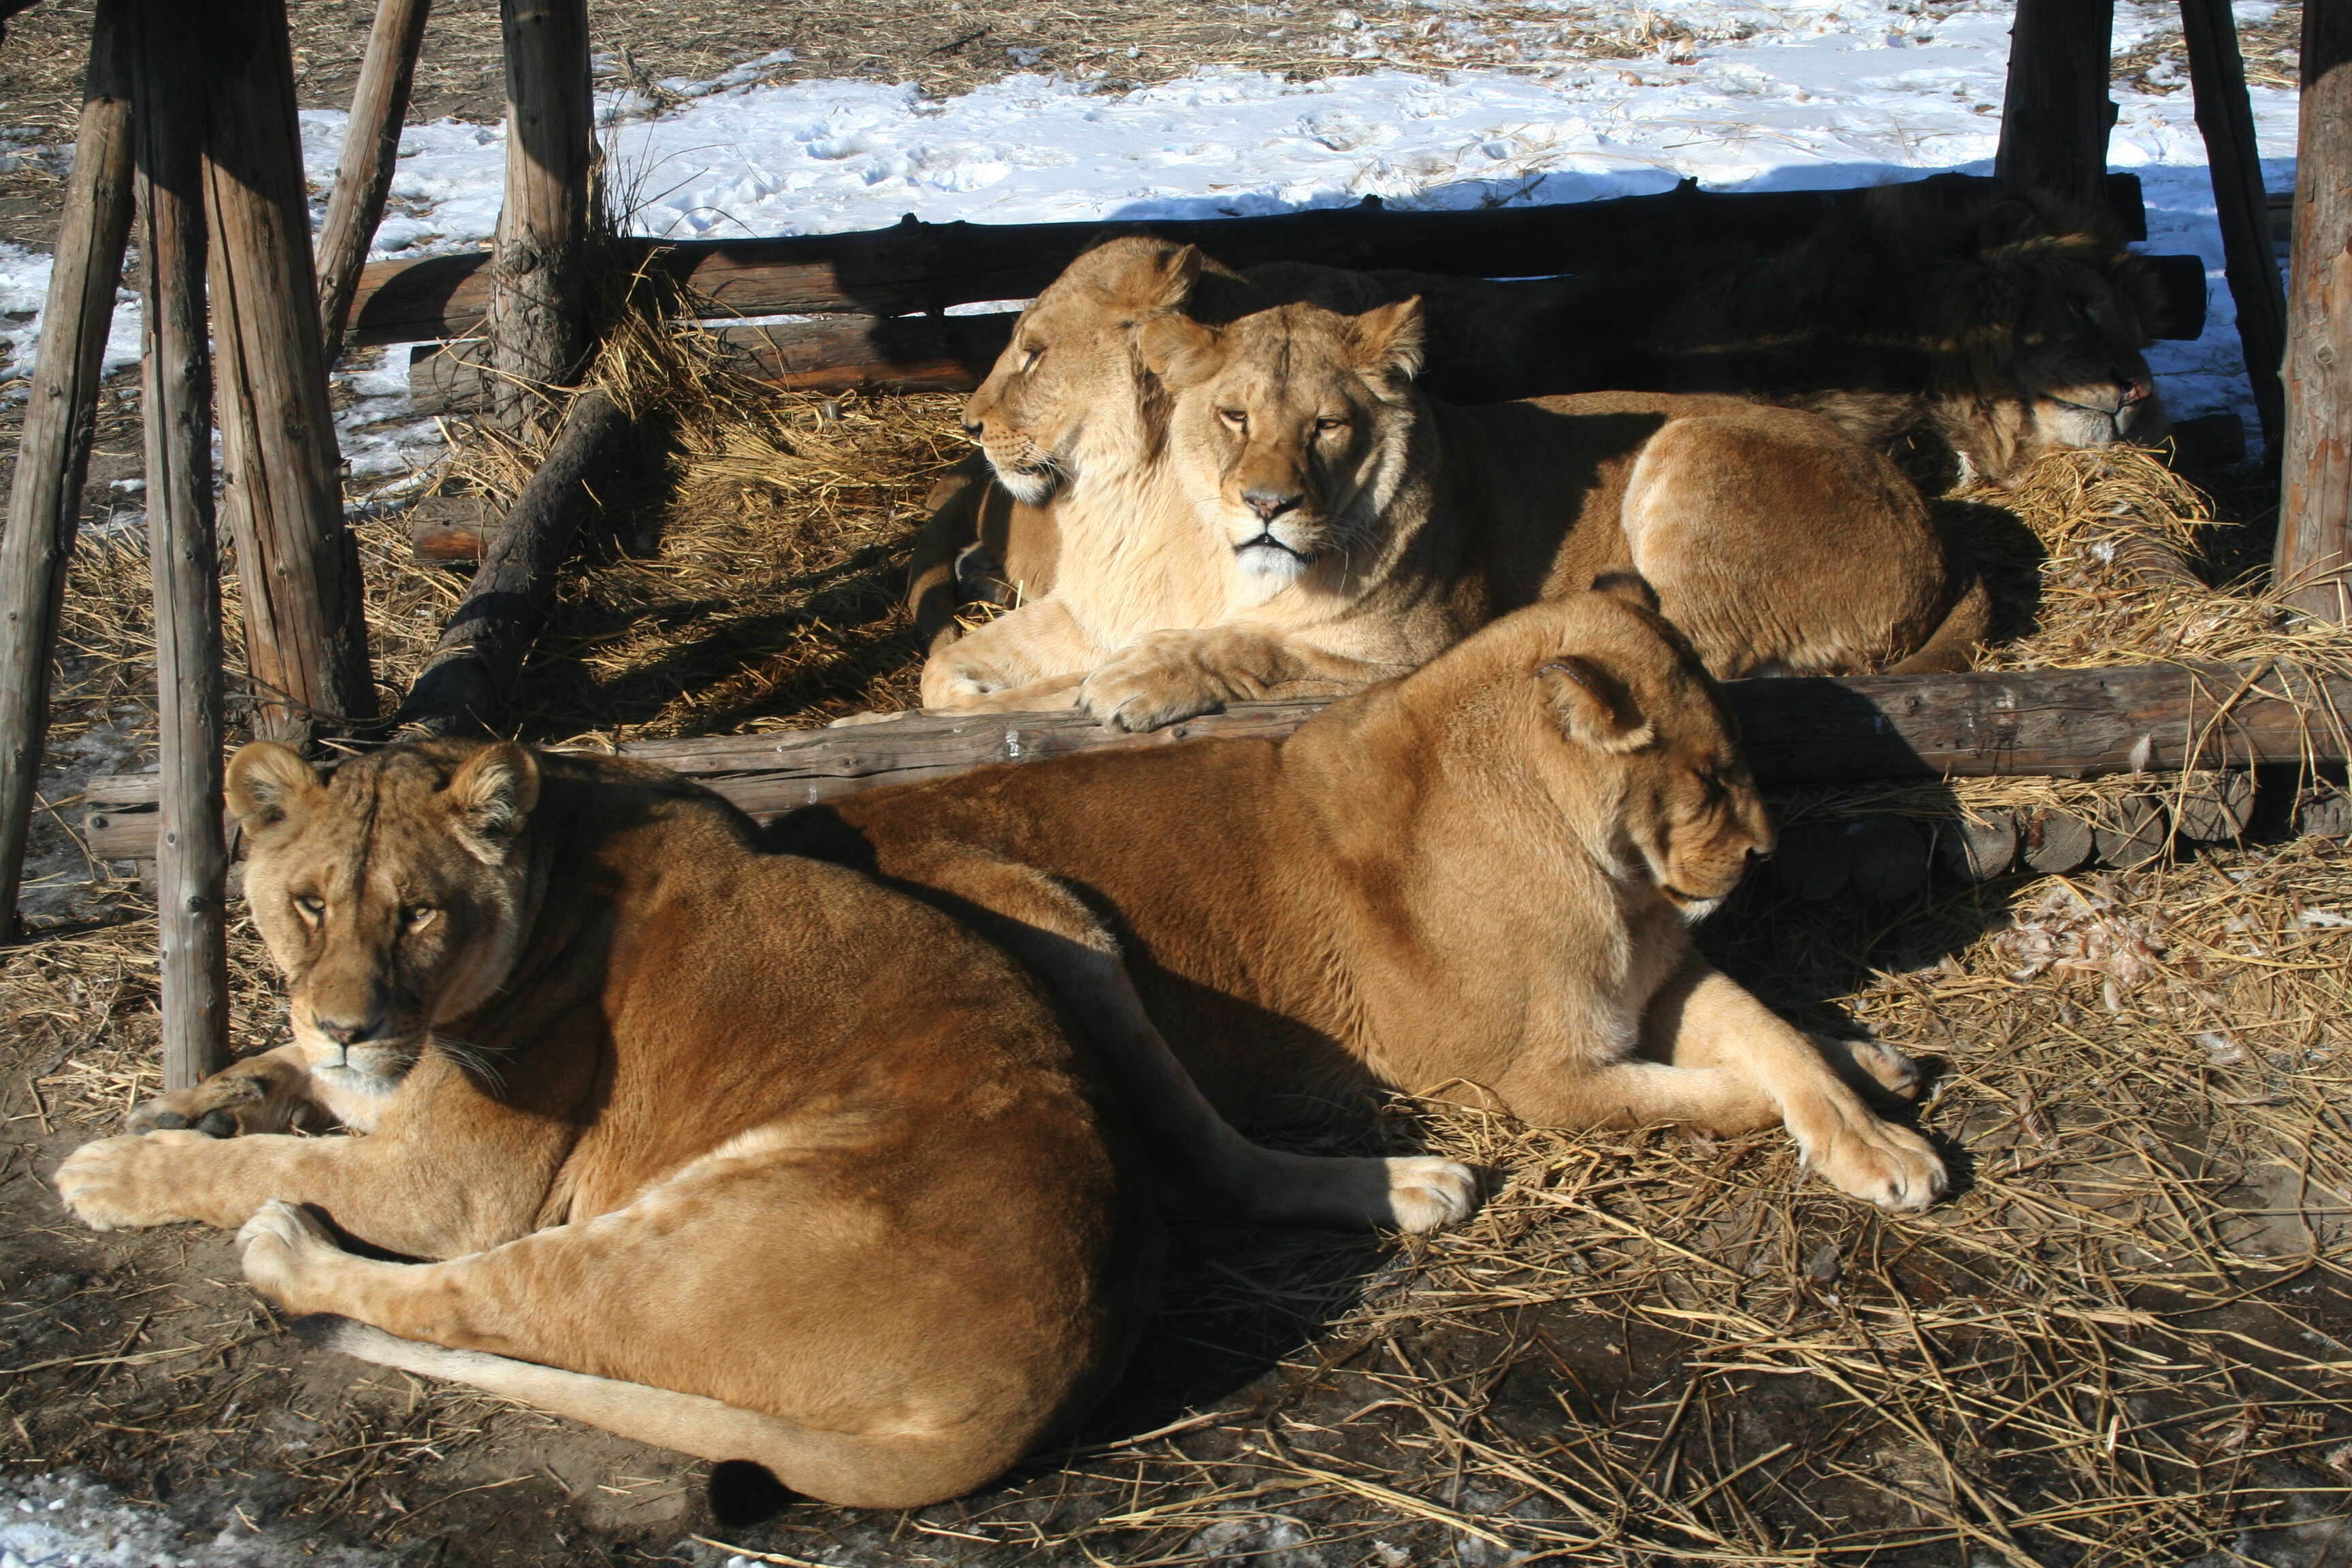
[[1307, 522], [1473, 882], [691, 1171]]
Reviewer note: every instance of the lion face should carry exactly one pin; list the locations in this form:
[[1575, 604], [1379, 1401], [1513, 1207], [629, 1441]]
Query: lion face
[[1070, 392], [394, 898], [1287, 429]]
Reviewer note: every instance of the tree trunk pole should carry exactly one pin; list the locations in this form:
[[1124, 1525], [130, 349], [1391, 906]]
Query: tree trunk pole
[[2226, 117], [298, 565], [2314, 540], [371, 148], [2055, 115], [538, 321], [193, 855], [53, 456]]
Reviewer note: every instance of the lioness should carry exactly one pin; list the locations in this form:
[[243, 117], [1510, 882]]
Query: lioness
[[1312, 523], [693, 1174], [1478, 878]]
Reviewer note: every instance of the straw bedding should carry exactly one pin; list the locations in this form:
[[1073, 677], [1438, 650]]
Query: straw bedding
[[2126, 1339]]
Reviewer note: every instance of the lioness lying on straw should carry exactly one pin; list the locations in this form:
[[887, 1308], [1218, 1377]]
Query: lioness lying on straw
[[696, 1177], [1300, 520], [1473, 882]]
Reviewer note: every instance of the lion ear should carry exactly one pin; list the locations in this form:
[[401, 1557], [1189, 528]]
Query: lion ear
[[1145, 276], [492, 793], [1177, 348], [270, 785], [1388, 339], [1630, 586], [1592, 705]]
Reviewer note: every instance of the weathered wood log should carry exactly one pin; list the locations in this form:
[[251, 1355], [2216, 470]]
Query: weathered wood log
[[192, 848], [2212, 807], [917, 268], [60, 416], [2225, 116], [2315, 536], [2323, 813], [1889, 858], [450, 530], [2053, 841], [371, 148], [298, 564], [1977, 848], [2069, 723], [538, 316], [2131, 832], [465, 682], [2055, 115]]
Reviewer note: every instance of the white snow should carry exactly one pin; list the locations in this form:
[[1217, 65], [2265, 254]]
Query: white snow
[[68, 1521], [1817, 93]]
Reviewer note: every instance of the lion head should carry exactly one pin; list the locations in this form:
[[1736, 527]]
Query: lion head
[[1290, 429], [394, 897], [1070, 392]]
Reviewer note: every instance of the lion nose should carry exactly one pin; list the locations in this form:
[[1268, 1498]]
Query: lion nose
[[1270, 504], [973, 428], [344, 1032], [2135, 389], [1758, 854]]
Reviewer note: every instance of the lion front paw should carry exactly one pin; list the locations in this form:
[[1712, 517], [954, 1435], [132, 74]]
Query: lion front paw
[[1152, 684], [851, 721], [285, 1247], [1880, 1162], [222, 1106], [119, 1183], [1427, 1194]]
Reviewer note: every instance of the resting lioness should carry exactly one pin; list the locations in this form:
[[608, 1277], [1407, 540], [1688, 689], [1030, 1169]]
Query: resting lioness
[[1311, 524], [1474, 880], [696, 1177]]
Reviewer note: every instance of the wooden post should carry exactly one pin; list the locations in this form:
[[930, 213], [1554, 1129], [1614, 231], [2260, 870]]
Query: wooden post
[[298, 565], [2055, 115], [53, 456], [2314, 541], [2226, 117], [192, 854], [371, 148], [538, 321]]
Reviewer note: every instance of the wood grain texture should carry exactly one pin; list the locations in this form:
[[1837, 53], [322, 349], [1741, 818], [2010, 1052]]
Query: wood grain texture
[[2314, 538], [192, 848], [538, 322], [2225, 116], [2055, 115], [915, 267], [371, 149], [61, 413]]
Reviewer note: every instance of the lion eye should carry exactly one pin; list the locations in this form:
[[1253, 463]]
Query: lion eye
[[1236, 417], [1030, 354], [311, 906], [1328, 424], [416, 916]]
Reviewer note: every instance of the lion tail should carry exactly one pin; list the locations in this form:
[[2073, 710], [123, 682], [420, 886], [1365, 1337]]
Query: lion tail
[[1955, 638], [842, 1468]]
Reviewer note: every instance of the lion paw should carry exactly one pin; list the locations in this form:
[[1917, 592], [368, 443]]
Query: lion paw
[[1880, 1162], [283, 1245], [1427, 1194], [1889, 1068], [222, 1106], [1151, 686], [128, 1181], [850, 721]]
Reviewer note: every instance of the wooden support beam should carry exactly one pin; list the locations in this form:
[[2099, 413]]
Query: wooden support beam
[[2076, 724], [465, 684], [2314, 538], [2226, 117], [371, 149], [537, 320], [61, 412], [2056, 116], [193, 847], [298, 564], [914, 267]]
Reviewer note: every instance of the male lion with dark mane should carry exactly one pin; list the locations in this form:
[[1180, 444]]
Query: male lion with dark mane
[[725, 1151], [1475, 883]]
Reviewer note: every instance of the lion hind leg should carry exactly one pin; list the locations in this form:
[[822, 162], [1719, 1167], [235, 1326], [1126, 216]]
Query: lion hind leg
[[846, 1468]]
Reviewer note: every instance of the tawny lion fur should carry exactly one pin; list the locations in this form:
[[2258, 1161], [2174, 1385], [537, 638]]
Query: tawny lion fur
[[1475, 883], [1272, 509], [685, 1170]]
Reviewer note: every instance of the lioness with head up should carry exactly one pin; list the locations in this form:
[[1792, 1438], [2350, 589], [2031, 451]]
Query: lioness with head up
[[1473, 882], [1285, 515], [689, 1173]]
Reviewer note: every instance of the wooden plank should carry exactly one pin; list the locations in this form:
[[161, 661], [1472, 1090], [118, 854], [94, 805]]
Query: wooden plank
[[2076, 724], [299, 567], [2226, 117], [917, 268], [2055, 115], [538, 308], [192, 848], [465, 684], [2315, 537], [371, 148], [61, 413]]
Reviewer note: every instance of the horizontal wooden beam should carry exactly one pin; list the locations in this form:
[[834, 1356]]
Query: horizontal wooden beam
[[918, 268], [2075, 723]]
